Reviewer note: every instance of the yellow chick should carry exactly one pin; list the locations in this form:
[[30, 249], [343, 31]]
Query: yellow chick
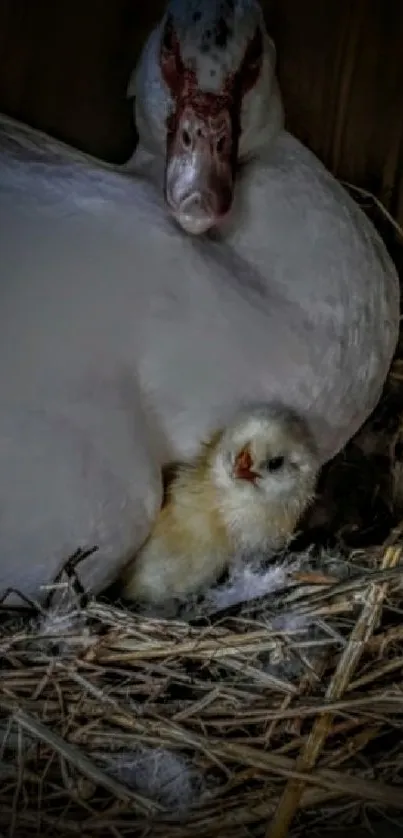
[[244, 491]]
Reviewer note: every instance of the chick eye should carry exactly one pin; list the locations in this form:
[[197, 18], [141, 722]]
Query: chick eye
[[275, 463]]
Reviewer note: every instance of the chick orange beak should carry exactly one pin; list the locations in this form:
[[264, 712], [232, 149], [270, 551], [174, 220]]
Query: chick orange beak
[[243, 466]]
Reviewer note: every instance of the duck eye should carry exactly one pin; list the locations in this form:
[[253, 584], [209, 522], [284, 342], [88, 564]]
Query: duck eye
[[186, 138], [275, 463], [220, 145]]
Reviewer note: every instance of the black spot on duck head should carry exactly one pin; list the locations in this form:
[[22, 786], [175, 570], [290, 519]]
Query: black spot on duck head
[[222, 33]]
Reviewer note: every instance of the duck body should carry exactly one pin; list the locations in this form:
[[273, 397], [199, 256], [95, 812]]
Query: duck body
[[125, 341]]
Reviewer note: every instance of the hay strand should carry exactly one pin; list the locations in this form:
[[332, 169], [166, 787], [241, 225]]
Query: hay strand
[[112, 685], [362, 631], [73, 755]]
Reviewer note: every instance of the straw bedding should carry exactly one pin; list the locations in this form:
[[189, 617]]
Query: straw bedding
[[248, 718]]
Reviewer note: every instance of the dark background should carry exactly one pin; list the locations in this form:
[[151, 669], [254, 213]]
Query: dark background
[[64, 67]]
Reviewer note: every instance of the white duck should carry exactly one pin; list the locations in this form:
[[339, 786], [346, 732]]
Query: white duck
[[124, 340]]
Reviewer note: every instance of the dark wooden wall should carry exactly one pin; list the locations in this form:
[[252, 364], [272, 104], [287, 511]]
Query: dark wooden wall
[[64, 67]]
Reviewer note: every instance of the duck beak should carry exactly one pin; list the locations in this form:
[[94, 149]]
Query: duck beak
[[201, 142], [199, 172]]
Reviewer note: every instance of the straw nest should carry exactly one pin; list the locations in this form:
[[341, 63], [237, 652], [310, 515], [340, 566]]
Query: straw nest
[[281, 713]]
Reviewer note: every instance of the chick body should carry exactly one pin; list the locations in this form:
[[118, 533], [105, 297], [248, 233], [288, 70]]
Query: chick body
[[245, 491]]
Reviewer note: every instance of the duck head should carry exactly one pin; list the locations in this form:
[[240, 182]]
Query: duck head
[[206, 97]]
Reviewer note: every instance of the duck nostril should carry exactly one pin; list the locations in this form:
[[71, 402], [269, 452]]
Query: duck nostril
[[195, 203]]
